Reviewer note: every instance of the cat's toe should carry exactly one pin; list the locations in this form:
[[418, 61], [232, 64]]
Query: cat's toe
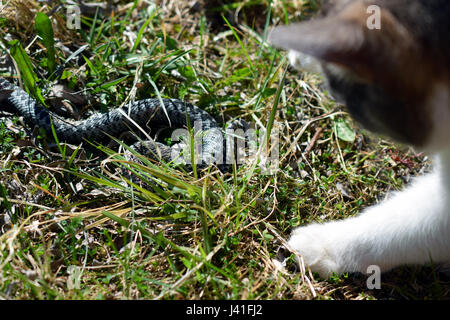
[[316, 250]]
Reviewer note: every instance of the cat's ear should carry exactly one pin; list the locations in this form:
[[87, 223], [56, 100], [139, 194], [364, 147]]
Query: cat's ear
[[359, 38]]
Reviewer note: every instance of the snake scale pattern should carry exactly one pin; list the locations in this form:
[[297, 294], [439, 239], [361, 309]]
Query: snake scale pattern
[[148, 114]]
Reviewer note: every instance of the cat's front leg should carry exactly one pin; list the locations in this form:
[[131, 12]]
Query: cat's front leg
[[320, 246], [339, 246], [412, 227]]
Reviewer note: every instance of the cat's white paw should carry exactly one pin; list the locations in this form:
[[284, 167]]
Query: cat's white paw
[[303, 62], [315, 244]]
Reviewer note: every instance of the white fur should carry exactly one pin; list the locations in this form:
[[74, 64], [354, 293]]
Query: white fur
[[302, 61], [412, 227]]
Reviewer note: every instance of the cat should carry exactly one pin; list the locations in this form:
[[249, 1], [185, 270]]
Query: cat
[[389, 62]]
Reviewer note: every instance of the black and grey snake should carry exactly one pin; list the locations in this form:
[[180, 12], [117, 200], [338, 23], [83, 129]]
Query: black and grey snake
[[148, 114]]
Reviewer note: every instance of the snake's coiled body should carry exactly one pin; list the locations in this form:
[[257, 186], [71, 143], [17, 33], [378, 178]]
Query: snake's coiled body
[[147, 114]]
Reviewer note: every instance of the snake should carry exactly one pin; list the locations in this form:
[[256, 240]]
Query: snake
[[149, 114]]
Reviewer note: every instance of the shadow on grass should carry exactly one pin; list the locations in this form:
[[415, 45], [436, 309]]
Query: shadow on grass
[[402, 283]]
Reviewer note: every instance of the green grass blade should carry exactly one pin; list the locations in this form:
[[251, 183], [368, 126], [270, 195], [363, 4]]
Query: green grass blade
[[141, 31], [55, 136], [26, 70], [275, 106], [44, 30], [252, 67], [113, 83]]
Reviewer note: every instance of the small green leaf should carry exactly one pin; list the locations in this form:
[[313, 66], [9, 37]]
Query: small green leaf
[[268, 92], [344, 131], [240, 74], [171, 44]]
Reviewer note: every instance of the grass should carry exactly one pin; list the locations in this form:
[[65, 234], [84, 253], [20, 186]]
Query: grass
[[73, 227]]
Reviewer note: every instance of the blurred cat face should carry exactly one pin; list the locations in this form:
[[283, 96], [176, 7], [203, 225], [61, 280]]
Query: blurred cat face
[[394, 78]]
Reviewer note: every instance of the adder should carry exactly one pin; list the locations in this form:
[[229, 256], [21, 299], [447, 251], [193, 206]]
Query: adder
[[148, 114]]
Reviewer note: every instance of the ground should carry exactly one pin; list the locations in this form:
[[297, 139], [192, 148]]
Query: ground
[[73, 227]]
